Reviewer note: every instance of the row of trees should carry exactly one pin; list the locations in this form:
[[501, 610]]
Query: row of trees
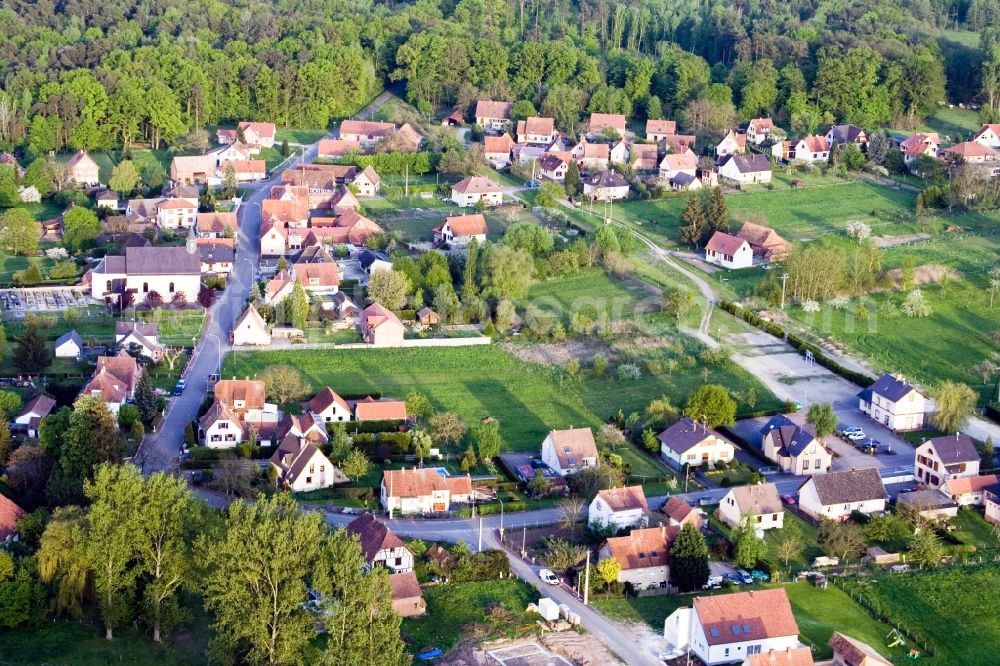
[[141, 542]]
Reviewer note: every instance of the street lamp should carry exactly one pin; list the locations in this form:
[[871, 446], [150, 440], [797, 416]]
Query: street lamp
[[218, 347], [501, 517]]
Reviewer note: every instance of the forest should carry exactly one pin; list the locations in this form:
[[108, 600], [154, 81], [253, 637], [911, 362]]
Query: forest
[[78, 74]]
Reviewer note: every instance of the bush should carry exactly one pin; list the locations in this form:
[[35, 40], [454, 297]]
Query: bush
[[488, 565]]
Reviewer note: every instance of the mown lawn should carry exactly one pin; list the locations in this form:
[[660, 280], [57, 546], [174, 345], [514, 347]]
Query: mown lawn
[[298, 135], [476, 382], [453, 608], [591, 292], [973, 530], [954, 609], [651, 610], [810, 549]]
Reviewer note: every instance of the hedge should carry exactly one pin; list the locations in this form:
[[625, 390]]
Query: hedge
[[860, 378], [993, 412]]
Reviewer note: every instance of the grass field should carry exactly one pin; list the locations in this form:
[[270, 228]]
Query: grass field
[[456, 610], [476, 382], [954, 609], [590, 292], [823, 206], [300, 135]]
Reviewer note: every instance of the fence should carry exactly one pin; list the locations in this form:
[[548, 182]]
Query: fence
[[432, 342]]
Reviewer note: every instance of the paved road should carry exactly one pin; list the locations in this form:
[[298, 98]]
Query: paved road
[[159, 450]]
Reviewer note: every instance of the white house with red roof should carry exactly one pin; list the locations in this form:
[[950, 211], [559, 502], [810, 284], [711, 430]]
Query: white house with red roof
[[381, 409], [728, 251], [328, 407], [813, 149], [254, 134], [176, 214], [568, 451], [81, 169], [759, 130], [658, 130], [920, 144], [367, 133], [603, 123], [492, 115], [643, 555], [10, 513], [300, 466], [989, 136], [472, 190], [250, 329], [497, 150], [728, 628], [617, 508], [420, 491], [536, 130], [459, 230], [733, 143], [221, 428]]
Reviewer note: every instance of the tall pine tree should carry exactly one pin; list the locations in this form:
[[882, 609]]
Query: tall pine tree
[[572, 182], [31, 353], [689, 560], [717, 213], [297, 307], [469, 285], [145, 399], [694, 219]]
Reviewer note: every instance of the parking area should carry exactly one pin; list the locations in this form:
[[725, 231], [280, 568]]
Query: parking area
[[19, 302]]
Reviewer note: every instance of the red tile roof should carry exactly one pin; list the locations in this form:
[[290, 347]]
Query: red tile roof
[[624, 499], [536, 125], [325, 399], [601, 121], [801, 656], [9, 515], [746, 616], [476, 185], [487, 108], [371, 409], [642, 548], [724, 243], [498, 144], [968, 149], [661, 127], [250, 391], [467, 225]]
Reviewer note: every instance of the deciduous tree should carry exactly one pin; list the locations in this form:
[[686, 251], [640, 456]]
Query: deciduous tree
[[954, 403], [689, 560]]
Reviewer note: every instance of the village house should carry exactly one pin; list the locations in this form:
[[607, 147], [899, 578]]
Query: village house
[[245, 171], [989, 136], [325, 183], [300, 466], [760, 502], [472, 190], [407, 599], [260, 135], [605, 186], [406, 139], [373, 260], [976, 154], [841, 135], [383, 409], [367, 183], [759, 130], [216, 225], [685, 182], [273, 239], [427, 317], [31, 416], [497, 150], [175, 214], [927, 503], [617, 508], [837, 494], [643, 556], [422, 491], [250, 329], [679, 513], [348, 228], [591, 156], [246, 399], [69, 345], [106, 199], [334, 149], [619, 153], [812, 150], [279, 287], [968, 490], [689, 443], [493, 116], [727, 628], [746, 169], [165, 270], [991, 504], [379, 545], [554, 165], [917, 145], [679, 143], [10, 513], [645, 157], [849, 651], [677, 163], [728, 251], [81, 169], [765, 242], [733, 143], [220, 428], [365, 132], [146, 337], [795, 448], [460, 230], [658, 130], [195, 170], [783, 151], [606, 124], [381, 327], [947, 457], [536, 130], [568, 451], [216, 255], [893, 403], [317, 276], [304, 426], [328, 407], [114, 380]]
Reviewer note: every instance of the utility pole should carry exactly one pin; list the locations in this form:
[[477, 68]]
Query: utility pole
[[784, 279], [480, 548], [586, 580], [524, 541]]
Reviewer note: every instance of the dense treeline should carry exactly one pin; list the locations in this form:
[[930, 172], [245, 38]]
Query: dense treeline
[[85, 75]]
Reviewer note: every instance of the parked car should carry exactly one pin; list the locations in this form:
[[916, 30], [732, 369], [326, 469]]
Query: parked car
[[855, 436], [788, 499], [713, 583], [899, 568], [734, 578], [745, 576], [848, 429], [759, 576], [180, 386], [547, 576], [704, 500]]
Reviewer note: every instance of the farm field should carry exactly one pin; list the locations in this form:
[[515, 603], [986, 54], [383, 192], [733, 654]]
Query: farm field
[[476, 382], [928, 603]]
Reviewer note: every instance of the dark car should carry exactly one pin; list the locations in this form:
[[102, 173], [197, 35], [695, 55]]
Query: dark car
[[180, 386], [734, 578]]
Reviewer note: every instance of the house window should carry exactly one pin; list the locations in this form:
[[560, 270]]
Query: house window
[[171, 290], [145, 287], [309, 479]]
